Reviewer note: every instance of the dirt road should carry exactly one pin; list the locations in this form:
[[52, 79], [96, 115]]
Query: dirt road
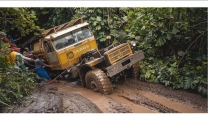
[[139, 97], [133, 96]]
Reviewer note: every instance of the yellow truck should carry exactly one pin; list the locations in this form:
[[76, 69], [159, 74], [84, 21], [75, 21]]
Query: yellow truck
[[72, 51]]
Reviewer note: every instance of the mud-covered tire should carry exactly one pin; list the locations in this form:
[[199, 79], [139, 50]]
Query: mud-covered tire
[[134, 71], [97, 80]]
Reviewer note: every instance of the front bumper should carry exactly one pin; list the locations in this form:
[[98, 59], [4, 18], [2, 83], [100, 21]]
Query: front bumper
[[124, 63]]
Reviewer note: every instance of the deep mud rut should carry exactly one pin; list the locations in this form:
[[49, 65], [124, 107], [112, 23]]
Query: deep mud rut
[[139, 97], [131, 97]]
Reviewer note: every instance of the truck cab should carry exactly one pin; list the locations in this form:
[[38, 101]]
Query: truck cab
[[63, 49]]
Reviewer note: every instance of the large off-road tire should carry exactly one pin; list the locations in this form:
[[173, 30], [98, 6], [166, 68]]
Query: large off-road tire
[[133, 72], [97, 80]]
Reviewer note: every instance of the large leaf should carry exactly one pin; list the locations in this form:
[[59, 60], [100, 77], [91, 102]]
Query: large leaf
[[114, 33], [98, 18], [125, 18], [108, 37], [137, 37], [115, 41], [187, 83], [95, 23], [169, 37], [102, 23], [204, 81], [175, 30], [103, 39], [98, 27]]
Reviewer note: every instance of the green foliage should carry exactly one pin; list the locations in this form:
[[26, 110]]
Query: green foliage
[[106, 23], [165, 71], [50, 17], [18, 20], [173, 40], [14, 83], [167, 30], [4, 50]]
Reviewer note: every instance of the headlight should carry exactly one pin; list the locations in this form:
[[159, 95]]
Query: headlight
[[133, 43]]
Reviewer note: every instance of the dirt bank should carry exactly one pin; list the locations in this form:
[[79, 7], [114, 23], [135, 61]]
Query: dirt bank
[[48, 100]]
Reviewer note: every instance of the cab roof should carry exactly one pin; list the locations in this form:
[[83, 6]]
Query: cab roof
[[52, 30], [67, 30]]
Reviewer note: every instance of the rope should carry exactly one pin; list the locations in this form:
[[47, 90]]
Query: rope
[[41, 84], [58, 75]]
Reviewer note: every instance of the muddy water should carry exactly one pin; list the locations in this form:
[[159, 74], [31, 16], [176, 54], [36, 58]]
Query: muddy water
[[125, 99], [134, 107], [103, 102], [161, 100]]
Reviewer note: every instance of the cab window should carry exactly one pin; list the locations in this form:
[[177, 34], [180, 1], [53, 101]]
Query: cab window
[[71, 38], [63, 42], [81, 34]]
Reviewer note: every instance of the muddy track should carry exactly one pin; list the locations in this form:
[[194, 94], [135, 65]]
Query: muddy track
[[78, 104], [127, 98], [143, 101], [113, 106], [131, 97], [187, 98]]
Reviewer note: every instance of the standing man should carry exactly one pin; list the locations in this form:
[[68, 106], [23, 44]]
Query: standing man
[[27, 53], [39, 66]]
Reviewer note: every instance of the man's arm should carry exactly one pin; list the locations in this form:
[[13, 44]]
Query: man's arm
[[25, 58], [47, 65]]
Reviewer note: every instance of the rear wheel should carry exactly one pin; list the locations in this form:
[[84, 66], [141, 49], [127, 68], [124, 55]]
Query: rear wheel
[[133, 72], [97, 80]]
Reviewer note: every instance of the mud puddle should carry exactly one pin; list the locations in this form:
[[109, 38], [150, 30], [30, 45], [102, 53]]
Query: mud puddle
[[104, 102], [153, 101], [183, 98], [125, 99]]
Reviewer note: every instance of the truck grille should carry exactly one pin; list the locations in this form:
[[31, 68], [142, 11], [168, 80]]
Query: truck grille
[[119, 52]]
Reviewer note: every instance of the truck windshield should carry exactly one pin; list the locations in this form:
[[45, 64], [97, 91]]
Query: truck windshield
[[71, 38]]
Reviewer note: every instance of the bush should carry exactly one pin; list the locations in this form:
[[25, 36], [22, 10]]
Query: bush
[[189, 77], [14, 83]]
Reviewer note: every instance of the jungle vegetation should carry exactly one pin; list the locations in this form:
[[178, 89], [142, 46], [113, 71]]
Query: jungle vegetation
[[174, 41]]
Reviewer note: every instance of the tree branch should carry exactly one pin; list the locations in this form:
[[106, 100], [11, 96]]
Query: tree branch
[[191, 45], [171, 48], [199, 23]]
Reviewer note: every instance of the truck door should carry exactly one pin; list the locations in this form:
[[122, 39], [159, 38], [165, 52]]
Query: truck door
[[50, 53]]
